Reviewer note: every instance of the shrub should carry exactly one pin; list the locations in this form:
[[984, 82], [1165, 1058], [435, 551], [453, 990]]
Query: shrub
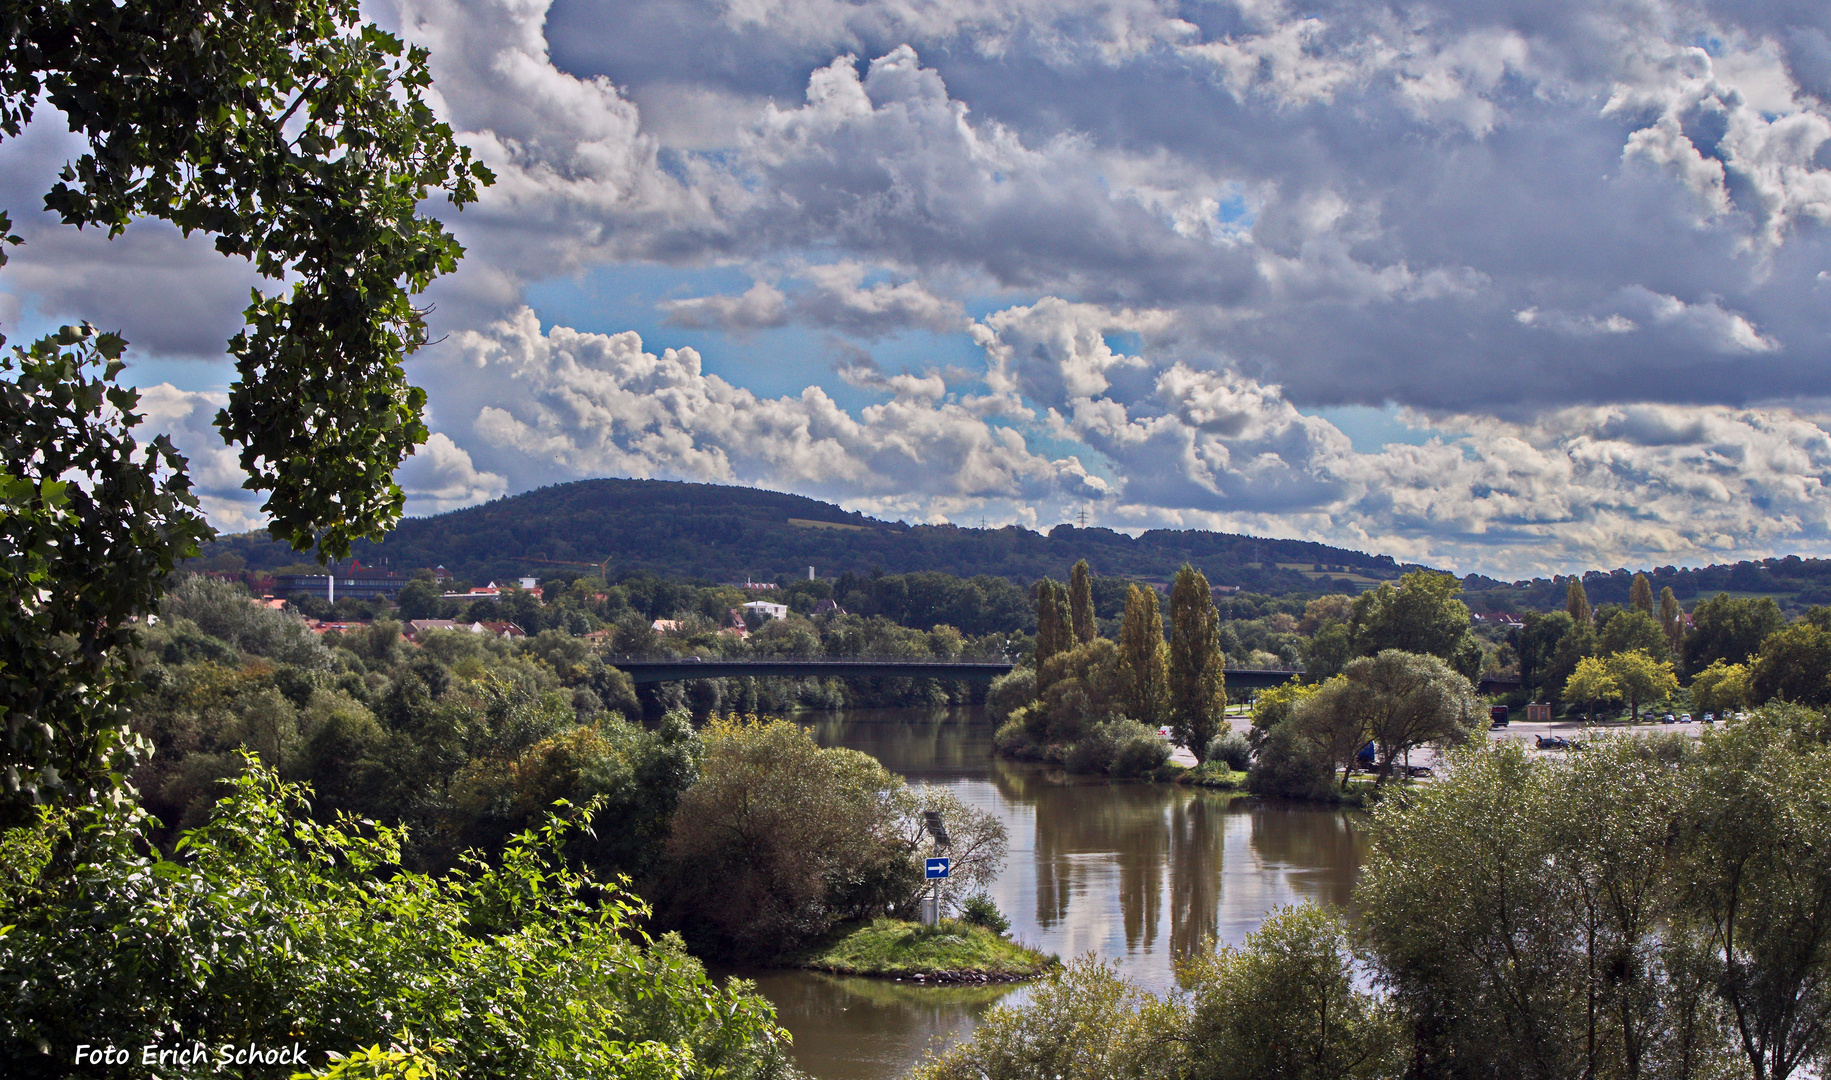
[[1286, 766], [1139, 751], [1091, 754], [1231, 748], [269, 928], [1009, 693], [979, 910]]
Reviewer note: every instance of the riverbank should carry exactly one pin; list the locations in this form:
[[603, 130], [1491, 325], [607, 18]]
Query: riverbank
[[949, 952]]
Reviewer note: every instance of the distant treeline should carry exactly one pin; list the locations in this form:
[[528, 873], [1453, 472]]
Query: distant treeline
[[715, 533], [718, 533], [1795, 583]]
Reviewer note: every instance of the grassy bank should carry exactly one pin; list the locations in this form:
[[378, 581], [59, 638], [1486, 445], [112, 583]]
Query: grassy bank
[[1213, 774], [952, 951]]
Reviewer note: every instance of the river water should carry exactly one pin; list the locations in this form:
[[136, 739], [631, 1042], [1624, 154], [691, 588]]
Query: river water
[[1133, 872]]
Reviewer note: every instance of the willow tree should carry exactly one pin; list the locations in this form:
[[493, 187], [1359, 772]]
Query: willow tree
[[1081, 602], [1198, 683], [1144, 672]]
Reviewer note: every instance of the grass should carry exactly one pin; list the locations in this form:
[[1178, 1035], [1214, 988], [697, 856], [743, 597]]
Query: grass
[[1213, 774], [951, 951]]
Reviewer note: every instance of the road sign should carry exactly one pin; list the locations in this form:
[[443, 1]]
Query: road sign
[[937, 868]]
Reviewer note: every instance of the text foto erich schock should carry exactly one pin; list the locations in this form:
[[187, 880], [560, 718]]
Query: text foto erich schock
[[224, 1055]]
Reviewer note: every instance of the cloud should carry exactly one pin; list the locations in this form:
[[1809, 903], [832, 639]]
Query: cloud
[[441, 477], [189, 417], [1582, 244], [581, 404], [834, 296]]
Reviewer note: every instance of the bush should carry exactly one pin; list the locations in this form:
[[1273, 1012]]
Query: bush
[[1013, 737], [1092, 754], [268, 928], [1009, 693], [781, 839], [1140, 751], [979, 910], [1230, 748], [1286, 767]]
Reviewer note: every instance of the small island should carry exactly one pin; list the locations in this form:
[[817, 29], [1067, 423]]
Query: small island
[[951, 951]]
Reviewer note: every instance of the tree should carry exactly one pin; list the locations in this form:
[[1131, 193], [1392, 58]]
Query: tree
[[1590, 682], [1407, 700], [1144, 658], [1671, 619], [1328, 652], [1286, 1005], [1084, 1022], [1336, 607], [1331, 723], [1524, 916], [79, 562], [1728, 629], [1081, 602], [1198, 683], [1421, 615], [780, 839], [1275, 707], [1053, 632], [1633, 629], [1757, 860], [1640, 677], [1538, 646], [301, 139], [1640, 595], [420, 600], [1722, 689], [1576, 602], [1794, 665]]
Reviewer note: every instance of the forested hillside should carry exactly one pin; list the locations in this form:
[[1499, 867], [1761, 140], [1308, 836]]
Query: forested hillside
[[719, 533], [730, 533]]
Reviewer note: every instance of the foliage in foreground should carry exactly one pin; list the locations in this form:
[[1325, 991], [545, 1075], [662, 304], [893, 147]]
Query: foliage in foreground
[[269, 928], [1285, 1005]]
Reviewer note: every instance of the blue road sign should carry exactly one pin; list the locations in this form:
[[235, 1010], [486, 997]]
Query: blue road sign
[[938, 868]]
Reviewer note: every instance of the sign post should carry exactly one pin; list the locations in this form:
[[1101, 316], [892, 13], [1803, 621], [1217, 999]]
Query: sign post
[[934, 870]]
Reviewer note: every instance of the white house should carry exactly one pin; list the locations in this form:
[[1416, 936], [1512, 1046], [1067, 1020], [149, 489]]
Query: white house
[[764, 607]]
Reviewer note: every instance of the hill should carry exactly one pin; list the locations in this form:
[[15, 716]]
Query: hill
[[721, 533]]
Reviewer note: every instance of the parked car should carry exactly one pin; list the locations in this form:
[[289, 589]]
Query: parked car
[[1684, 718], [1710, 718], [1497, 717], [1553, 742], [1668, 719]]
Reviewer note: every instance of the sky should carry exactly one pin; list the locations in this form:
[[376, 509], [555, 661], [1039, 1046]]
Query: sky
[[1510, 288]]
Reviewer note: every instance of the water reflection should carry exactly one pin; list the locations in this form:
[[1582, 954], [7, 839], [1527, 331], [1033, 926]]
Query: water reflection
[[1136, 873]]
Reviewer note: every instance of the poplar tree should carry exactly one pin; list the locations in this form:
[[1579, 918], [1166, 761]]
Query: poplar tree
[[1198, 684], [1640, 594], [1671, 617], [1576, 601], [1081, 602], [1052, 633], [1144, 671]]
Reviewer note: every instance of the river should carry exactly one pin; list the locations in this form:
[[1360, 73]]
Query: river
[[1132, 872]]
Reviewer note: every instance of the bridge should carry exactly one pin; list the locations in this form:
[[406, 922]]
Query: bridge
[[678, 669]]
